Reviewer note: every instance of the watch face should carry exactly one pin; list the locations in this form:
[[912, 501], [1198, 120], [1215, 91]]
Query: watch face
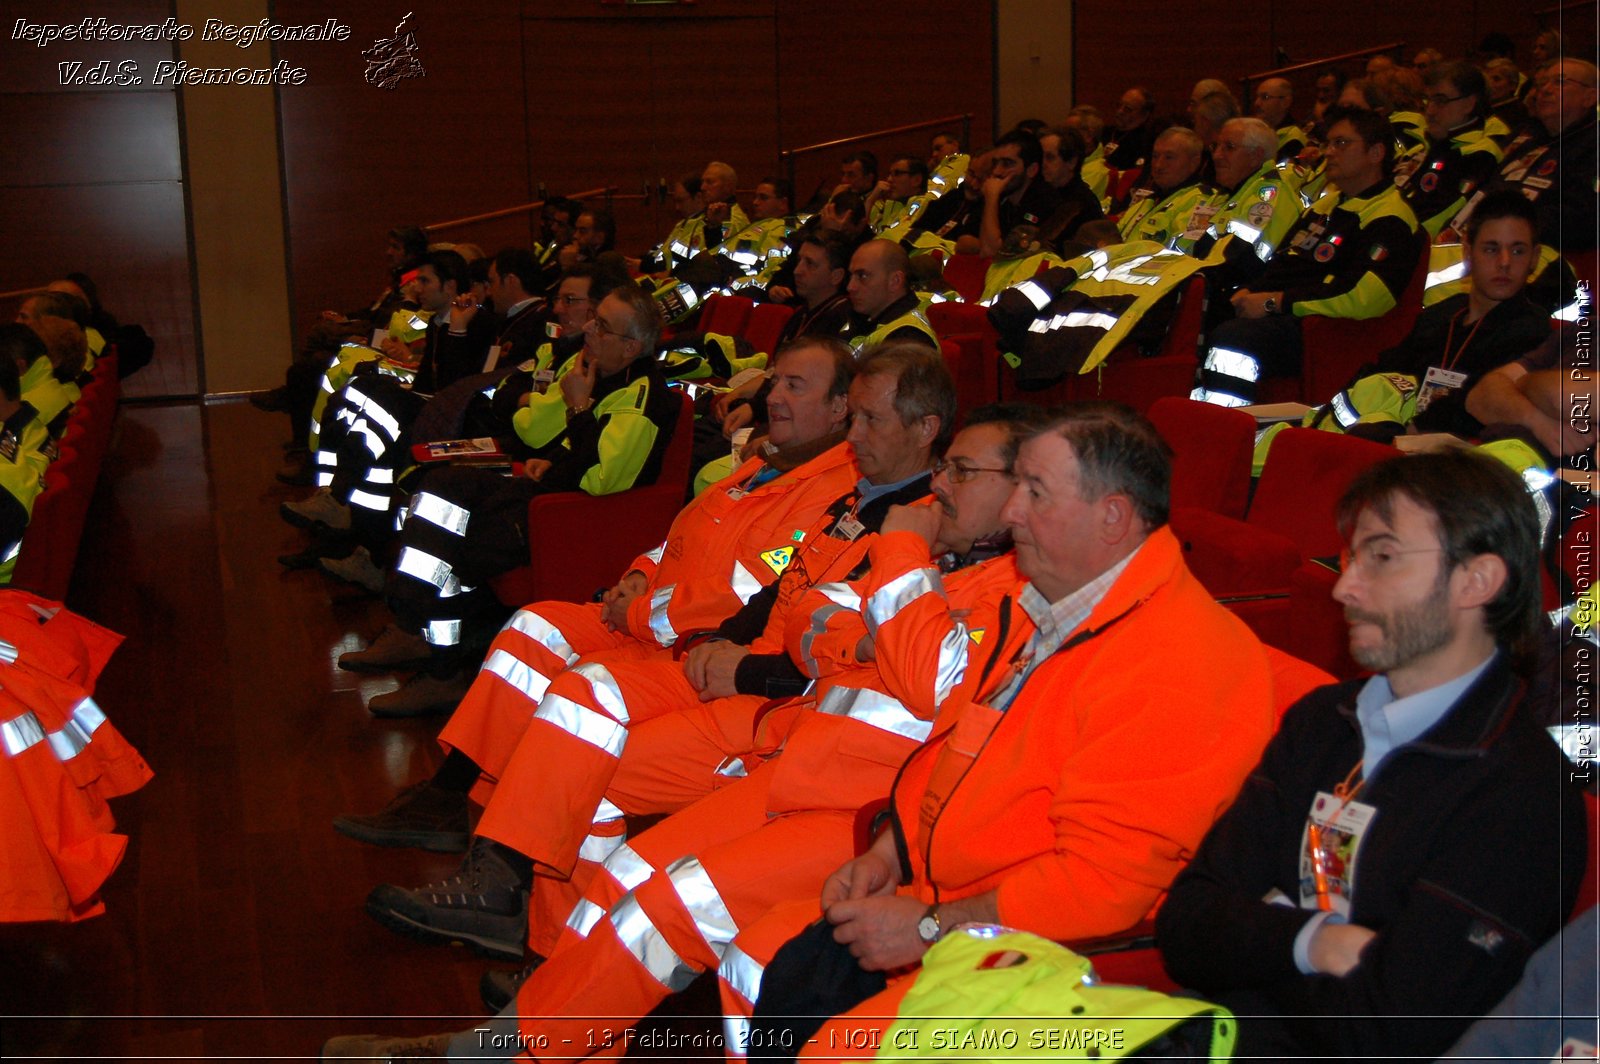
[[928, 928]]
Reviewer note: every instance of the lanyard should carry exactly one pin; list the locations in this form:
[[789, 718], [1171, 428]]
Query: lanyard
[[1449, 338], [1319, 856]]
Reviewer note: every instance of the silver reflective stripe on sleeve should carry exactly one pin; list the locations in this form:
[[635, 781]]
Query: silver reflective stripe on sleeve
[[744, 583], [20, 733], [373, 412], [376, 444], [899, 593], [627, 867], [584, 916], [819, 625], [656, 554], [442, 633], [699, 895], [76, 734], [8, 653], [1577, 741], [1450, 273], [327, 385], [660, 623], [732, 768], [877, 709], [607, 810], [952, 666], [544, 633], [380, 475], [1035, 292], [605, 689], [430, 570], [582, 723], [742, 973], [640, 938], [519, 674], [442, 512], [1343, 412]]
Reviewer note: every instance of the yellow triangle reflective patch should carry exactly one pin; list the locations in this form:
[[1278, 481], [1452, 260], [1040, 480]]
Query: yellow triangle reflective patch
[[778, 558], [976, 635]]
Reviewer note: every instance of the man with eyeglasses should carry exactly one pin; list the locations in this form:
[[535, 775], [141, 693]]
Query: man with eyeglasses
[[601, 427], [1461, 155], [771, 831], [1553, 163], [1349, 256], [890, 199], [1133, 130], [1408, 840], [1274, 100]]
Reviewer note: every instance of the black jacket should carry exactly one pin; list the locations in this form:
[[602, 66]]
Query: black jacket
[[1472, 860]]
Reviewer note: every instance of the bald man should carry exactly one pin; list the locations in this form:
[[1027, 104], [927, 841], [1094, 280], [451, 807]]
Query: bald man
[[883, 307], [1274, 99]]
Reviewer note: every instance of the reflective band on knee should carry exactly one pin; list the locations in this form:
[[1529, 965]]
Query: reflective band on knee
[[20, 733], [443, 633], [641, 938], [1233, 363], [544, 633], [699, 895], [1216, 398], [442, 512], [519, 674], [430, 570], [79, 730], [627, 867], [606, 691], [380, 475], [742, 973], [584, 916], [583, 723]]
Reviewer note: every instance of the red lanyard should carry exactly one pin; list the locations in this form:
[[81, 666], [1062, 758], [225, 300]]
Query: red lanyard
[[1450, 336]]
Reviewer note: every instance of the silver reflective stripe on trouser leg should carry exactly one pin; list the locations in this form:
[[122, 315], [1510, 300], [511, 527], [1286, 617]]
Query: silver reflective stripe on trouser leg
[[581, 722], [1228, 365], [368, 501], [623, 865], [79, 730], [877, 709], [743, 973], [430, 570], [606, 691], [660, 623], [442, 512], [21, 733], [899, 593], [640, 938], [529, 681], [443, 633], [699, 895]]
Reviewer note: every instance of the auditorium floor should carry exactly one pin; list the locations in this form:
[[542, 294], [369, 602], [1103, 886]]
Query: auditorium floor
[[234, 925]]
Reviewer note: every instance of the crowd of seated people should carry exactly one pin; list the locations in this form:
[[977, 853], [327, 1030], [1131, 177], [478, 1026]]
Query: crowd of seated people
[[870, 600]]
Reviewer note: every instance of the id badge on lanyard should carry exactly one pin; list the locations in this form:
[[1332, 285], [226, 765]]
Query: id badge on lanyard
[[1330, 845]]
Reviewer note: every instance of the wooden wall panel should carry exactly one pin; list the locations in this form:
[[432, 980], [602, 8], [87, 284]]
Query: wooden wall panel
[[846, 68], [93, 182], [360, 159]]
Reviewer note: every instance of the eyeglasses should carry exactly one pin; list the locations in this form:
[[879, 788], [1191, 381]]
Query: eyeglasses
[[1439, 99], [571, 301], [960, 474], [601, 327], [1560, 79], [1375, 557]]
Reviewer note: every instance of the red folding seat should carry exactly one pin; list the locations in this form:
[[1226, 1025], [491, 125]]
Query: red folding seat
[[765, 325], [1211, 452]]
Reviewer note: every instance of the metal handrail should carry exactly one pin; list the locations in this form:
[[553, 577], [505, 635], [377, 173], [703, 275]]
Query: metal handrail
[[1556, 9], [519, 209], [1325, 61], [786, 157], [24, 292]]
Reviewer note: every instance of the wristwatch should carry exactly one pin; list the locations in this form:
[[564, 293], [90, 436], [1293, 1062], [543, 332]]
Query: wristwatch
[[928, 928], [1271, 305]]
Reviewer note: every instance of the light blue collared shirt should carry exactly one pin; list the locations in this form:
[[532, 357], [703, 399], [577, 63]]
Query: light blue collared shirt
[[1388, 723]]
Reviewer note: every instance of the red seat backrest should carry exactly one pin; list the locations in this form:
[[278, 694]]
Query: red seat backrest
[[1306, 473], [765, 325], [1211, 450], [966, 274], [725, 314]]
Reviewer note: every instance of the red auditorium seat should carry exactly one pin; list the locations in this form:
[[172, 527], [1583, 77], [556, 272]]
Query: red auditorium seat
[[966, 274], [765, 324], [1131, 378], [1211, 451], [725, 314], [45, 564], [600, 534], [1121, 183], [1250, 564]]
